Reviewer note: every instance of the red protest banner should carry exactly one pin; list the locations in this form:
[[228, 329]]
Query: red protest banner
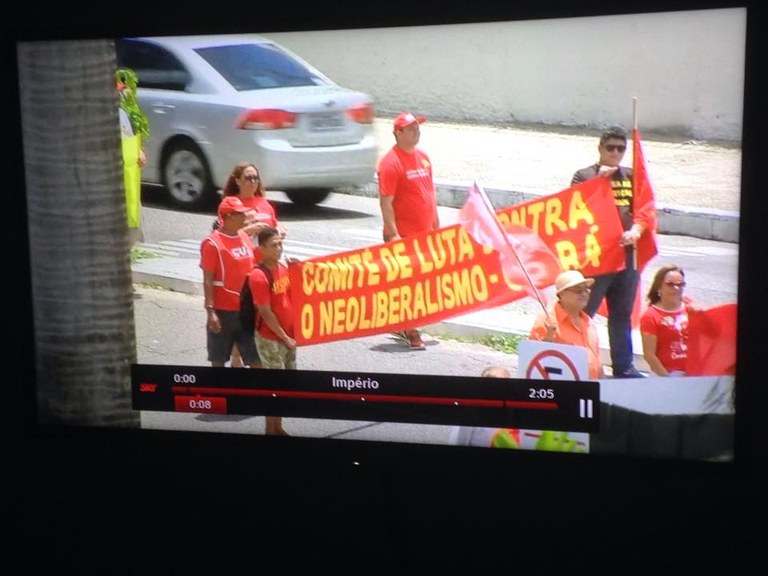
[[580, 225], [525, 259], [436, 275]]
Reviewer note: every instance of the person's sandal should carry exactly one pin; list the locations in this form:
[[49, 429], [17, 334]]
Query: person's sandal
[[415, 342]]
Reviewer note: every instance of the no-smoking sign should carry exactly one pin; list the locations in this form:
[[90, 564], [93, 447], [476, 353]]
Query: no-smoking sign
[[549, 361]]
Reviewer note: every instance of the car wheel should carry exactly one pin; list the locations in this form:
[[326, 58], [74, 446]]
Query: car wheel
[[308, 196], [187, 177]]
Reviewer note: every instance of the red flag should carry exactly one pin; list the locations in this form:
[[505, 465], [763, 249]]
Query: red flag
[[644, 211], [712, 341], [525, 259]]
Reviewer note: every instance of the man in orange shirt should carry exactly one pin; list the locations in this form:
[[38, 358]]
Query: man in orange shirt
[[567, 322], [407, 194]]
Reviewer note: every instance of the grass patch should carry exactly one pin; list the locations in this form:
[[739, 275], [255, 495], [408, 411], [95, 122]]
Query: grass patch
[[506, 343], [503, 343], [141, 254], [153, 286]]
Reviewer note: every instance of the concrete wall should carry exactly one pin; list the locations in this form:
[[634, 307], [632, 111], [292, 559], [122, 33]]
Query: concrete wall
[[685, 68]]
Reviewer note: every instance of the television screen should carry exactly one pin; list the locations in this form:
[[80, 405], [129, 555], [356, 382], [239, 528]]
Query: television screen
[[376, 356]]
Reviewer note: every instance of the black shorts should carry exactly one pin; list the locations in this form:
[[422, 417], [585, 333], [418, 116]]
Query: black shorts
[[220, 345]]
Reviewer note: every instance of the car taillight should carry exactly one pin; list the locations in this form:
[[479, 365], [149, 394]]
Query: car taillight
[[362, 113], [267, 119]]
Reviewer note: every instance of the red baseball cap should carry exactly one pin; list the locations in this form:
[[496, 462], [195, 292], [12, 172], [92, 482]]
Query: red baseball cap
[[406, 119], [230, 204]]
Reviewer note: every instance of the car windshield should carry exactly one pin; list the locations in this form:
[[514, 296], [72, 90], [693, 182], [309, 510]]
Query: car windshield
[[258, 66]]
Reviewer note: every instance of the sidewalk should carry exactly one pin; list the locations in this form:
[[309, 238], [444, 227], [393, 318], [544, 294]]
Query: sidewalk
[[696, 184], [183, 275]]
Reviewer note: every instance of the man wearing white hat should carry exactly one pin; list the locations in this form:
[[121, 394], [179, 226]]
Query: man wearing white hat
[[567, 323], [407, 194]]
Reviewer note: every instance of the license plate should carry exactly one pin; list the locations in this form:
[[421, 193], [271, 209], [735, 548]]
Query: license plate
[[329, 121]]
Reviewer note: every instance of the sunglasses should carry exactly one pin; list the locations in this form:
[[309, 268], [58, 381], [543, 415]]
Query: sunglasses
[[614, 147], [579, 290], [251, 178], [675, 284]]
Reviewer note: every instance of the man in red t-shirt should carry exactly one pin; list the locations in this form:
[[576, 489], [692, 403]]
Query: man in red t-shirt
[[407, 193], [272, 298], [226, 257]]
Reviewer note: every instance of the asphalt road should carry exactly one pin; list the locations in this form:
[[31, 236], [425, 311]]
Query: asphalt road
[[170, 329]]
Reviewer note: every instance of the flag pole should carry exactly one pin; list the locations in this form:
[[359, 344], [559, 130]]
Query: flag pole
[[634, 112], [488, 205], [634, 168]]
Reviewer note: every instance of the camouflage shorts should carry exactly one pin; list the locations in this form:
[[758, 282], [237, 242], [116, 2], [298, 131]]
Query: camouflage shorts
[[275, 354]]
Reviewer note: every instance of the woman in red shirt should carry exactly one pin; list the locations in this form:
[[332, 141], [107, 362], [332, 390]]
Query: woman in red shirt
[[245, 183], [664, 324]]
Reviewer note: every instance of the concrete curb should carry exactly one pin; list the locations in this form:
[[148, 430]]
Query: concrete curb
[[703, 223]]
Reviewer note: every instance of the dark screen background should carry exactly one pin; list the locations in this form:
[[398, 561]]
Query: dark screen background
[[116, 502]]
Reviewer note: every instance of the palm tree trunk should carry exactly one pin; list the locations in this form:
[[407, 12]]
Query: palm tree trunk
[[79, 250]]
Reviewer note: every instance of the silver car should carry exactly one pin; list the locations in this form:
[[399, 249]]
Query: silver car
[[214, 101]]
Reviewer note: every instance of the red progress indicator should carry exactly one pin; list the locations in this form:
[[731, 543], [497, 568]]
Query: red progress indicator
[[295, 394]]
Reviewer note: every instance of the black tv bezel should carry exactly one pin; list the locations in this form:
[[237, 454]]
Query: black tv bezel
[[458, 477]]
